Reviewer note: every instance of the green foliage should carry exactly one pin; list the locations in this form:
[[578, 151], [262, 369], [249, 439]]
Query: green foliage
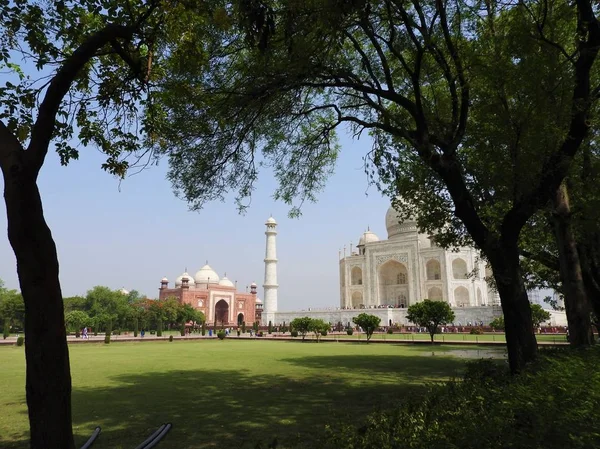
[[546, 407], [430, 314], [368, 323], [270, 327], [6, 329], [221, 335], [349, 331], [294, 333], [498, 323], [20, 340], [318, 327], [159, 328], [170, 337], [539, 315], [135, 326], [301, 325], [182, 330], [76, 320], [390, 330], [203, 328], [12, 307], [107, 339], [476, 331], [255, 326], [243, 327]]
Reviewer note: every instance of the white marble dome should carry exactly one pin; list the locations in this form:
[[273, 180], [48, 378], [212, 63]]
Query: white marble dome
[[367, 237], [225, 282], [206, 275], [164, 279], [271, 220], [258, 300], [180, 278], [395, 227]]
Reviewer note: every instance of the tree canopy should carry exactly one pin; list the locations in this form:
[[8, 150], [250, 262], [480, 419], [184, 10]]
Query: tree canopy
[[431, 315], [368, 323]]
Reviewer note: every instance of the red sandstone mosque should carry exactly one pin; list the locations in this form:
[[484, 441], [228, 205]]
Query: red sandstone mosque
[[216, 297]]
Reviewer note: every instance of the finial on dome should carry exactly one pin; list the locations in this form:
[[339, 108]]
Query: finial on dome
[[226, 274], [206, 261], [368, 229]]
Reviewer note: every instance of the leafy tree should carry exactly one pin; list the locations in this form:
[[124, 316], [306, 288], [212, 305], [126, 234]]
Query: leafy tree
[[12, 307], [203, 328], [136, 325], [270, 327], [75, 303], [368, 323], [430, 314], [539, 315], [498, 323], [76, 319], [301, 325], [438, 111], [317, 327], [6, 329]]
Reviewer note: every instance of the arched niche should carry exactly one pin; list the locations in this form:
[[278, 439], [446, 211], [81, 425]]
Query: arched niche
[[356, 276], [434, 270], [435, 294], [459, 269], [461, 296], [357, 299]]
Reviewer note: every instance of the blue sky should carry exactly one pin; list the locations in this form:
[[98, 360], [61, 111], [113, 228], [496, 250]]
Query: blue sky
[[133, 233]]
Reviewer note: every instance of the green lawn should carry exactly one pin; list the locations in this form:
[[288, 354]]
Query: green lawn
[[225, 394], [499, 337]]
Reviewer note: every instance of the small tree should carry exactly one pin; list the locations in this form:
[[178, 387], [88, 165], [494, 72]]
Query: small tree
[[430, 314], [319, 327], [255, 326], [182, 329], [203, 328], [243, 327], [108, 331], [270, 327], [368, 323], [159, 328], [6, 332], [301, 325], [538, 315], [498, 323], [136, 325]]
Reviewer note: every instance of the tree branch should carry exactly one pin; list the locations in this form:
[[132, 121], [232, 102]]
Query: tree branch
[[61, 83], [9, 143]]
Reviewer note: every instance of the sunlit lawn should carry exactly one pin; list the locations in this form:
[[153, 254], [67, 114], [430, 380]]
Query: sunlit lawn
[[225, 394]]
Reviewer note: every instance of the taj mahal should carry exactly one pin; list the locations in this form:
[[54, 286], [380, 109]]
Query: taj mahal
[[383, 276]]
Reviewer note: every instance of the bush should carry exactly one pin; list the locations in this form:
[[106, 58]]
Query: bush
[[203, 328], [136, 325], [238, 332], [221, 335], [259, 334], [270, 327], [390, 330], [294, 333], [6, 331], [349, 331], [107, 339], [547, 406], [77, 335], [20, 340], [182, 330], [170, 338], [476, 331], [324, 333], [159, 328], [243, 327]]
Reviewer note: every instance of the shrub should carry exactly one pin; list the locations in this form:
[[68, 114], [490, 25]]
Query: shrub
[[243, 327], [136, 325], [159, 328], [238, 332], [6, 331], [259, 334], [107, 339], [324, 333], [221, 335], [270, 327], [349, 331], [203, 328], [390, 330], [294, 333], [20, 340], [542, 408], [476, 331], [182, 330], [170, 338], [77, 335]]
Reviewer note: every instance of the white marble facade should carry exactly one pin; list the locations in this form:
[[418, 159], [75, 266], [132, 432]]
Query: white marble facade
[[407, 268]]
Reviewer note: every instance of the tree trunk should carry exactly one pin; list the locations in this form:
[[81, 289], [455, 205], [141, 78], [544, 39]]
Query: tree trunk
[[48, 377], [520, 338], [576, 301]]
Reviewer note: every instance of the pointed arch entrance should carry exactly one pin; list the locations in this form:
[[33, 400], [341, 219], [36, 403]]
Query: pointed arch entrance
[[240, 319], [393, 283], [222, 312]]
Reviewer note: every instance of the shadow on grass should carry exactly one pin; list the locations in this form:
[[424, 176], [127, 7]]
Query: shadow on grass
[[235, 409]]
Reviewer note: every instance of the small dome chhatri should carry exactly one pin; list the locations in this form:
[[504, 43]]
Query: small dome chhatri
[[179, 280], [206, 275], [271, 220], [225, 282], [367, 237]]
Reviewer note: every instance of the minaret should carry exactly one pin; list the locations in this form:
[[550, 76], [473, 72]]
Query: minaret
[[270, 285]]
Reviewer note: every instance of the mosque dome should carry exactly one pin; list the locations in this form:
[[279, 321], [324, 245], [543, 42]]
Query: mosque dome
[[206, 275], [180, 278], [367, 237], [225, 282], [271, 220], [394, 225], [164, 279], [123, 291]]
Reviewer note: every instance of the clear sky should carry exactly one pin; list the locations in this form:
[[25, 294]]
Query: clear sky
[[133, 233]]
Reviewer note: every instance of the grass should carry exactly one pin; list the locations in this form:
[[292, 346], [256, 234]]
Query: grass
[[225, 394]]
